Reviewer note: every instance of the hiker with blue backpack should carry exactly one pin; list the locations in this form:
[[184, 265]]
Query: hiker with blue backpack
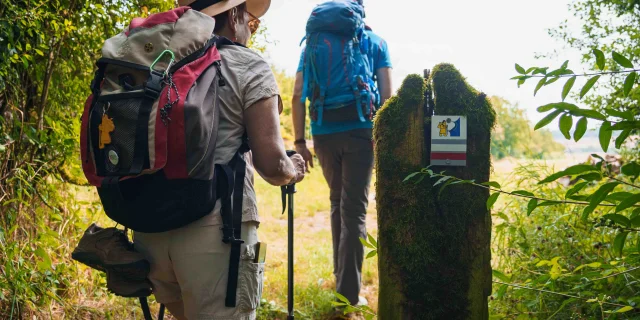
[[345, 75]]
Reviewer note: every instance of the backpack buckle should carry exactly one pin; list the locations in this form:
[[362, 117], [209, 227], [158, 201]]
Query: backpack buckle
[[153, 86], [228, 235], [230, 239]]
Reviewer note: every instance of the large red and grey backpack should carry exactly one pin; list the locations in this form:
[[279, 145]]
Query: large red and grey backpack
[[150, 126]]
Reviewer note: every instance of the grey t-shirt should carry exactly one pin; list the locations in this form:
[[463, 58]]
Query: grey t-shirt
[[249, 79]]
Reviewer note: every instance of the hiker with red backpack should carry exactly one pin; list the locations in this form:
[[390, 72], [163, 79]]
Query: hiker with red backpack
[[180, 115], [345, 74]]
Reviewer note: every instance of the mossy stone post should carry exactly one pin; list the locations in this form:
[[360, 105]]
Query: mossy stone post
[[434, 247]]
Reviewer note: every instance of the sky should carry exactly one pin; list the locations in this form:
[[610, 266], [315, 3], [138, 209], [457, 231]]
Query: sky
[[483, 39]]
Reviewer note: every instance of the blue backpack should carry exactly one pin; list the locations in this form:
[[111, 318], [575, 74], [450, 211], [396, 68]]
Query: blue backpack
[[337, 71]]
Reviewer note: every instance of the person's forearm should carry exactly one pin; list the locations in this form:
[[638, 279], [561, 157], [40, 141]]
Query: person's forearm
[[281, 175], [269, 156], [384, 84], [384, 96], [299, 114]]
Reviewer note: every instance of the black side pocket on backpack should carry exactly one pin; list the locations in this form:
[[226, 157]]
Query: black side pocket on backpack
[[114, 122]]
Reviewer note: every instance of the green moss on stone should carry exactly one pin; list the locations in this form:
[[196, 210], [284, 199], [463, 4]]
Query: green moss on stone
[[434, 251]]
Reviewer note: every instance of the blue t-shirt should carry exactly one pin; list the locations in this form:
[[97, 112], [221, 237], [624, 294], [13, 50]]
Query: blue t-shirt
[[379, 58]]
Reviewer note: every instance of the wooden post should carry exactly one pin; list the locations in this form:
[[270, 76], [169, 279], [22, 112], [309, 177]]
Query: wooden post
[[434, 247]]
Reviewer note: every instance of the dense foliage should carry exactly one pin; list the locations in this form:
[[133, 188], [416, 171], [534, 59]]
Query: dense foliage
[[576, 253], [47, 49], [578, 256]]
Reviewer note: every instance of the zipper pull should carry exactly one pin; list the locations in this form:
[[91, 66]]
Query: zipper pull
[[221, 81]]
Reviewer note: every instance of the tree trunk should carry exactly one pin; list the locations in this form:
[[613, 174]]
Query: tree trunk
[[434, 247]]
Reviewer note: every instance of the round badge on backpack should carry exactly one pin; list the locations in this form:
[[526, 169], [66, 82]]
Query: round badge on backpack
[[112, 159]]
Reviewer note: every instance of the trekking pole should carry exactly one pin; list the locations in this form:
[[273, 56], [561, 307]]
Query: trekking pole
[[287, 201]]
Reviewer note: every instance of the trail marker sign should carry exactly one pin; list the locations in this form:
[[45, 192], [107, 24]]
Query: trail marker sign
[[449, 141]]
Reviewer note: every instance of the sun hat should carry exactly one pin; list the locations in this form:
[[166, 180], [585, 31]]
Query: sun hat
[[214, 7]]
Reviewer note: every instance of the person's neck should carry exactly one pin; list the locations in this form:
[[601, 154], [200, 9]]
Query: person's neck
[[229, 35]]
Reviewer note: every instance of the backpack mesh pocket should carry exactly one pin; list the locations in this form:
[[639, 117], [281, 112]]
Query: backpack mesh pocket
[[115, 121]]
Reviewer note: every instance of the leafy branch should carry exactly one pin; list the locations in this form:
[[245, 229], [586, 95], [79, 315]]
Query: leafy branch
[[615, 274], [570, 75], [564, 72], [602, 197], [585, 172], [625, 183], [370, 243], [567, 111], [343, 302], [622, 309]]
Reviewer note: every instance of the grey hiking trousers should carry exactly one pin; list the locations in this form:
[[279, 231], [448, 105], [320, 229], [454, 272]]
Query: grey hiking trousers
[[346, 159]]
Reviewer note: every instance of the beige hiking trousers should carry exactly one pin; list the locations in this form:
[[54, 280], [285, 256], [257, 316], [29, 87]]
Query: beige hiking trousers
[[191, 264]]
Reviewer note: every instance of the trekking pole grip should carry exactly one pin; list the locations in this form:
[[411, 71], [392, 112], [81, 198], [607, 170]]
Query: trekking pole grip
[[291, 189]]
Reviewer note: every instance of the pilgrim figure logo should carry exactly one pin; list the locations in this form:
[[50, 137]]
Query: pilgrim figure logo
[[449, 128], [443, 128]]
